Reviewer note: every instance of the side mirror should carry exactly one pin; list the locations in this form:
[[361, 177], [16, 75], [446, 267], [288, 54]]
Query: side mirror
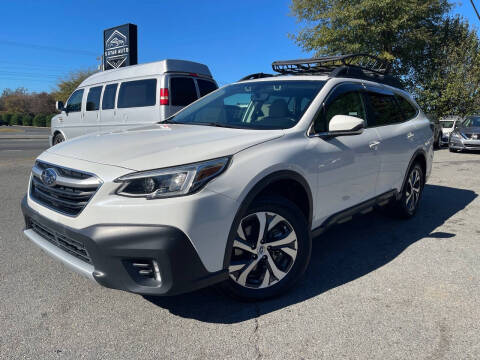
[[59, 106], [345, 125]]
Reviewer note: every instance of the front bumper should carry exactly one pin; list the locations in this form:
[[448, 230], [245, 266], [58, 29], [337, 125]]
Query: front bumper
[[112, 249], [463, 144]]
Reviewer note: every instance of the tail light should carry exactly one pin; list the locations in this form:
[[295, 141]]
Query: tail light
[[164, 96]]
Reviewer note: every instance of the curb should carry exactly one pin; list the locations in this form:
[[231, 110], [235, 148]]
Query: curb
[[23, 137]]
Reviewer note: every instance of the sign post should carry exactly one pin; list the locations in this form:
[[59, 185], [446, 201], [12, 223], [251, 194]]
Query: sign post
[[120, 46]]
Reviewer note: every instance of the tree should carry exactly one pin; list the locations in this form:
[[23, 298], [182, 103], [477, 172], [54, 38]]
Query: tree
[[447, 82], [68, 84], [14, 101], [389, 28], [41, 103], [435, 56]]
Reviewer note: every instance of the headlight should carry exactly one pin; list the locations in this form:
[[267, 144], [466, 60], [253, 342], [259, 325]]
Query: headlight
[[168, 182], [455, 135]]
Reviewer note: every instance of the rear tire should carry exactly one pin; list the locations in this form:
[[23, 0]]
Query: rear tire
[[57, 139], [266, 263], [407, 205]]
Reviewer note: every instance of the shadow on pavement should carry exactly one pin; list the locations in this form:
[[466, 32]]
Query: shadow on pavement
[[343, 254]]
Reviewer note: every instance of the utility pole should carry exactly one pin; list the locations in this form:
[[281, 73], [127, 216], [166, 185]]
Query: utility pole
[[475, 8]]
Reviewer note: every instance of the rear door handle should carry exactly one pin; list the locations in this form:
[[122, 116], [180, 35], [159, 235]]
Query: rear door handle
[[410, 135], [374, 144]]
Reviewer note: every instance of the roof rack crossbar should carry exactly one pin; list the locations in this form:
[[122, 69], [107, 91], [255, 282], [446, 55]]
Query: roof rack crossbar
[[255, 76]]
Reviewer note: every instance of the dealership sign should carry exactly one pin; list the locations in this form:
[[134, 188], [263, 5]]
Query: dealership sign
[[120, 46]]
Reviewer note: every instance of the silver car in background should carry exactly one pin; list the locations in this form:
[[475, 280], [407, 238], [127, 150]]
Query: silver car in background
[[447, 125], [466, 135]]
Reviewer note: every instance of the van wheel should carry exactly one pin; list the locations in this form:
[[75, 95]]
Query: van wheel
[[407, 206], [271, 250], [58, 139]]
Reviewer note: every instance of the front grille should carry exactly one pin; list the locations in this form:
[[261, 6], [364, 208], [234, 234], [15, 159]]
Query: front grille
[[69, 194], [71, 246]]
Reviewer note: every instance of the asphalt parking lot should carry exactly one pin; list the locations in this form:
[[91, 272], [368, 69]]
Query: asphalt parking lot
[[377, 288]]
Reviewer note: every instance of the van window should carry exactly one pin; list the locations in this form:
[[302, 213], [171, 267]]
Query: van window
[[385, 110], [137, 93], [93, 98], [409, 111], [109, 94], [182, 91], [74, 103], [206, 87]]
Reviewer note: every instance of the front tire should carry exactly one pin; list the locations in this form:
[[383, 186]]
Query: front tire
[[58, 139], [271, 250]]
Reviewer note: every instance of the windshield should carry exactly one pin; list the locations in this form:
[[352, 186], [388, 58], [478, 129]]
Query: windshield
[[255, 105], [446, 124], [472, 121]]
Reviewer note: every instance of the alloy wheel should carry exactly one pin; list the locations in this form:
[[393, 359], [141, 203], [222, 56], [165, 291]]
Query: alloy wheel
[[264, 250], [413, 190]]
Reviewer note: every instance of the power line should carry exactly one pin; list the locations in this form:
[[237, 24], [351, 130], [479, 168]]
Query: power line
[[475, 8], [49, 48]]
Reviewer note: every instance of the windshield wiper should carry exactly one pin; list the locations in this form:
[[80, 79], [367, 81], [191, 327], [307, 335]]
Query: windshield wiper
[[215, 124]]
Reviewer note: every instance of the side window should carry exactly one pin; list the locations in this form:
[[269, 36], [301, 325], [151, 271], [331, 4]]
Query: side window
[[206, 87], [182, 91], [74, 103], [384, 110], [408, 110], [346, 103], [109, 94], [137, 93], [93, 98]]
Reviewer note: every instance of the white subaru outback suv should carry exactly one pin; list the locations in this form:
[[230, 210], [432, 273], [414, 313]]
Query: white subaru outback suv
[[232, 188]]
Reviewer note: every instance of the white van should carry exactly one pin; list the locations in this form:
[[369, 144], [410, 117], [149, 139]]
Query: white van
[[130, 97]]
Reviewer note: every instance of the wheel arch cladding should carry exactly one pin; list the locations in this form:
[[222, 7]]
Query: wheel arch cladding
[[286, 183]]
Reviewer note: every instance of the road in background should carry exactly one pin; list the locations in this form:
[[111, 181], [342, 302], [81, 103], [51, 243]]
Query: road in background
[[376, 288]]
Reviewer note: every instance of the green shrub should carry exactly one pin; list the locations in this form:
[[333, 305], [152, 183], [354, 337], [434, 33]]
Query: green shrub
[[7, 117], [16, 119], [39, 120], [27, 120], [48, 120]]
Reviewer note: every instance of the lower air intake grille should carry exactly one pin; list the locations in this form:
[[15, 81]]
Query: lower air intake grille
[[67, 244]]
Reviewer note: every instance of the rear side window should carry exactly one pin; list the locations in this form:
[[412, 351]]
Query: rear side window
[[206, 87], [408, 110], [74, 103], [137, 93], [109, 94], [384, 110], [182, 91], [93, 98]]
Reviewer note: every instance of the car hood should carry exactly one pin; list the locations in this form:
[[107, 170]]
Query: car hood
[[162, 145]]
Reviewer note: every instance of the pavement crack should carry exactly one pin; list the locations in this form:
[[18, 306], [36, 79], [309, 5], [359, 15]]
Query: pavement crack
[[256, 333]]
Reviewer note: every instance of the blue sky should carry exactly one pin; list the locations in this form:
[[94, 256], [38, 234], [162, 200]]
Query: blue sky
[[43, 40]]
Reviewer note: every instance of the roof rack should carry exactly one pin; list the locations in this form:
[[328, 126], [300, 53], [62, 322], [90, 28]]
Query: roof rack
[[255, 76], [360, 66]]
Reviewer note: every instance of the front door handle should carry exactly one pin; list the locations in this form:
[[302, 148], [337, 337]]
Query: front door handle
[[374, 145], [410, 135]]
